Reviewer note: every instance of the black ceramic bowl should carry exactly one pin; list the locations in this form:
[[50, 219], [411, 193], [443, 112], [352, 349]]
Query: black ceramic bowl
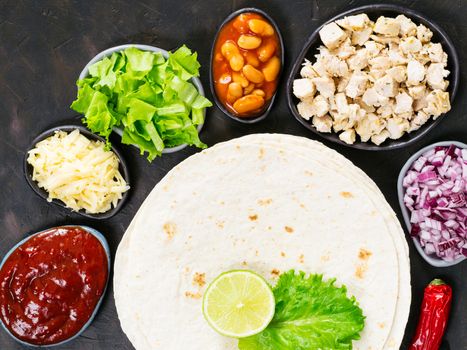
[[27, 169], [374, 11], [264, 113]]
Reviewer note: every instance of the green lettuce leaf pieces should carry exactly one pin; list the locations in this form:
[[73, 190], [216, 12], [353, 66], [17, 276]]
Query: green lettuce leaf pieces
[[310, 314], [149, 97]]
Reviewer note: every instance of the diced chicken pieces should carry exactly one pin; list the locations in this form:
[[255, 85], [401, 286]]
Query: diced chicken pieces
[[320, 105], [380, 138], [305, 109], [373, 48], [386, 86], [380, 62], [353, 23], [403, 103], [325, 86], [437, 103], [410, 44], [435, 75], [407, 26], [359, 37], [397, 127], [398, 73], [342, 83], [436, 53], [303, 88], [341, 105], [345, 50], [319, 68], [307, 70], [420, 119], [387, 26], [387, 110], [417, 92], [370, 125], [357, 84], [359, 61], [396, 57], [334, 66], [348, 136], [322, 124], [332, 35], [415, 72], [424, 34], [385, 39], [372, 98], [375, 80]]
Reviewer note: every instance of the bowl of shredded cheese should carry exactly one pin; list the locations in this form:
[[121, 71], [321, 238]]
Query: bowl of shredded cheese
[[75, 169]]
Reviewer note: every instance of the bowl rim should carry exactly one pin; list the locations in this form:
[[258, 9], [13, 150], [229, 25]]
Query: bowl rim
[[220, 105], [103, 241], [410, 138], [123, 167], [431, 259], [108, 52]]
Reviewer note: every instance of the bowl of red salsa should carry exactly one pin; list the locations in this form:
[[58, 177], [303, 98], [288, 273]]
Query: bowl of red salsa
[[52, 284]]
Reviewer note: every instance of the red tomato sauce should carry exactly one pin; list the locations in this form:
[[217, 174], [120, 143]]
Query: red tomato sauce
[[51, 284]]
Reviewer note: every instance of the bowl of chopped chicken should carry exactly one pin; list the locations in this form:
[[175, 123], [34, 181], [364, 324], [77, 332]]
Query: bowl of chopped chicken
[[376, 77]]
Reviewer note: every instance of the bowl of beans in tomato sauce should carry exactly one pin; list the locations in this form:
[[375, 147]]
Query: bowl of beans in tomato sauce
[[246, 64]]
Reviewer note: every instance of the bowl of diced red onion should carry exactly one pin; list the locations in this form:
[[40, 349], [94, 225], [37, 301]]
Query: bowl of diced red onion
[[432, 188]]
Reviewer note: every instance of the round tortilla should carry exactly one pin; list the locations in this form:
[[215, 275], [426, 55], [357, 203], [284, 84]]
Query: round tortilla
[[266, 203]]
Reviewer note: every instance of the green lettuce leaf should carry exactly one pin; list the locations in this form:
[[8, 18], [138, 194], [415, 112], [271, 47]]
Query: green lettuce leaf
[[146, 95], [310, 314]]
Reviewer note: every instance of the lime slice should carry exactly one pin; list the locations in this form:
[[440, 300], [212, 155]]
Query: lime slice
[[239, 304]]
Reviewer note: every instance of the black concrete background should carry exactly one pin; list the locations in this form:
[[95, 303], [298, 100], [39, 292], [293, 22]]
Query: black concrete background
[[45, 44]]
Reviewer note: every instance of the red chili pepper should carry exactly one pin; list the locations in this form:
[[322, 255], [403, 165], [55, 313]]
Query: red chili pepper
[[434, 316]]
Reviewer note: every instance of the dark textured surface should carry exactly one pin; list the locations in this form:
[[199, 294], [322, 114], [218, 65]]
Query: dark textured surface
[[45, 44]]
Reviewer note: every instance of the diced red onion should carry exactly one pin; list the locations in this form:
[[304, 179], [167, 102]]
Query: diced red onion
[[436, 196]]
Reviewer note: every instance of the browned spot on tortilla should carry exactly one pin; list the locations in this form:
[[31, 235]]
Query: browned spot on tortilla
[[264, 202], [187, 269], [364, 254], [360, 270], [221, 202], [192, 295], [253, 217], [325, 258], [244, 263], [165, 188], [257, 253], [381, 325], [269, 228], [302, 206], [288, 229], [283, 254], [261, 153], [199, 279], [275, 272], [170, 229], [346, 194], [220, 224], [301, 259], [237, 146], [308, 173]]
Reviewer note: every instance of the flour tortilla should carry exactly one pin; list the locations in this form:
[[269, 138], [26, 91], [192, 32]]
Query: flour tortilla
[[208, 202], [405, 290]]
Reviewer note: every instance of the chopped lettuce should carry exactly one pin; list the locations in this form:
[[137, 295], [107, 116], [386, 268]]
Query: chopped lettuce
[[148, 96], [310, 314]]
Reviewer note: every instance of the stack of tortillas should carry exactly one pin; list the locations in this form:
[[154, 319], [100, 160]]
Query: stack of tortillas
[[267, 203]]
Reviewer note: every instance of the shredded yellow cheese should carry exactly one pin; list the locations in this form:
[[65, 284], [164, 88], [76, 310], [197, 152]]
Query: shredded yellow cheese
[[77, 171]]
